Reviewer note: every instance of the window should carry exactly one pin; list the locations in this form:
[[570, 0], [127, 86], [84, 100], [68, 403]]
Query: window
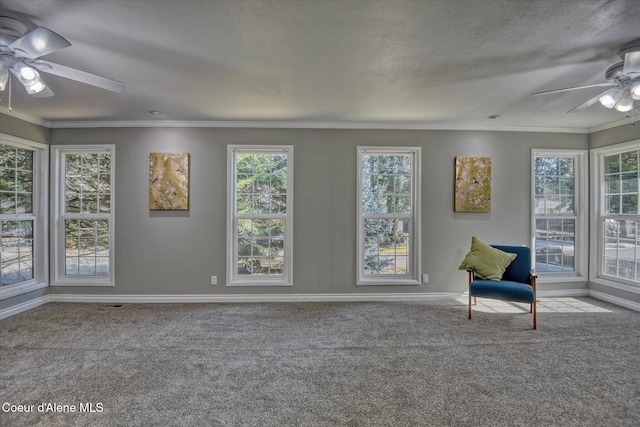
[[388, 215], [84, 215], [259, 239], [618, 213], [23, 202], [559, 197]]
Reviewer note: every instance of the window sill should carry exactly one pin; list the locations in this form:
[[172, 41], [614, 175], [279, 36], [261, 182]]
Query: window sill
[[558, 278], [388, 282], [19, 289], [616, 285], [260, 283], [84, 282]]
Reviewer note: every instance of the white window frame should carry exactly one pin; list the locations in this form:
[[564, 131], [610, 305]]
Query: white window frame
[[581, 248], [597, 194], [233, 278], [40, 224], [58, 216], [412, 277]]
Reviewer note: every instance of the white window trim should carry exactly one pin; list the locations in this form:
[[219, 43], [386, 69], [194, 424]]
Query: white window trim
[[415, 219], [597, 159], [233, 278], [40, 226], [58, 203], [581, 244]]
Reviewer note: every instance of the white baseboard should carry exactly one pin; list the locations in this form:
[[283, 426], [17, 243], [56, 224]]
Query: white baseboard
[[19, 308], [148, 299], [615, 300], [240, 298]]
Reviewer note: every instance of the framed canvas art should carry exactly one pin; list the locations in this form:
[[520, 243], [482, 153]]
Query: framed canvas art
[[169, 181], [472, 184]]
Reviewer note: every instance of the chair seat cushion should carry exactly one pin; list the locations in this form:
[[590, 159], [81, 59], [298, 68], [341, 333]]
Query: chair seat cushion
[[502, 289]]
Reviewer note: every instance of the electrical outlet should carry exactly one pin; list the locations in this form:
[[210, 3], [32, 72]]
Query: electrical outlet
[[425, 278], [214, 280]]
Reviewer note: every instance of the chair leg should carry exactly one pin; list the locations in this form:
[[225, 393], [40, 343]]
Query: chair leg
[[531, 308], [469, 306], [534, 314], [475, 301]]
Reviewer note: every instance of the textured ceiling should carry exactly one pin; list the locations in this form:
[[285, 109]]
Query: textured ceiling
[[406, 64]]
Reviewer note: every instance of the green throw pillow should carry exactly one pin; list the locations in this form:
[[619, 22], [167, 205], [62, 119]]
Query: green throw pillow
[[488, 262]]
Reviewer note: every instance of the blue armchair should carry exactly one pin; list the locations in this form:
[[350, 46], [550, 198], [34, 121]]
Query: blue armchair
[[517, 283]]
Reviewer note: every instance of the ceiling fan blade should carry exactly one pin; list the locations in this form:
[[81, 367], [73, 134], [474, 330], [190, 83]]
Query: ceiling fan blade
[[567, 89], [631, 63], [587, 104], [37, 43], [77, 75]]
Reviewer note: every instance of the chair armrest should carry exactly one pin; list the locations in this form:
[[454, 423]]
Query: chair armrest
[[532, 279]]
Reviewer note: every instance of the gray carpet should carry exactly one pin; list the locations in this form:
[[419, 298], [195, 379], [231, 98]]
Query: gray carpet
[[324, 364]]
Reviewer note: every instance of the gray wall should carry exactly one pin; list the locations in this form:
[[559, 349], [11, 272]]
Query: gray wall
[[614, 135], [176, 253], [16, 127]]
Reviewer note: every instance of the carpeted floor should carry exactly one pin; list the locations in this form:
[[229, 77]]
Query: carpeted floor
[[322, 364]]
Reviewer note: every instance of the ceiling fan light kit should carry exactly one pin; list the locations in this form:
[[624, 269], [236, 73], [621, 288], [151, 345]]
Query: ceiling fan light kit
[[29, 78], [625, 76], [610, 98], [635, 91], [625, 104], [20, 52], [4, 76], [619, 98]]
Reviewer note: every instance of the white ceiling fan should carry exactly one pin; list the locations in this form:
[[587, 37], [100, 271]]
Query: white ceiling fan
[[624, 76], [20, 52]]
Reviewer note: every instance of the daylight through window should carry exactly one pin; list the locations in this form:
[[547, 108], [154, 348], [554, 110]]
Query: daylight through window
[[620, 257], [388, 204], [84, 232], [555, 213], [17, 213], [261, 204]]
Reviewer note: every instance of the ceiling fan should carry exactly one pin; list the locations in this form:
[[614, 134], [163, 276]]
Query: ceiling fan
[[624, 76], [20, 52]]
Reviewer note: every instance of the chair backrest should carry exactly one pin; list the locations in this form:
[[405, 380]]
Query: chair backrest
[[520, 268]]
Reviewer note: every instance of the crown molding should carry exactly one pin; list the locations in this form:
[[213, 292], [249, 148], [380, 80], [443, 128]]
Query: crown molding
[[26, 118], [257, 124], [303, 125], [625, 121]]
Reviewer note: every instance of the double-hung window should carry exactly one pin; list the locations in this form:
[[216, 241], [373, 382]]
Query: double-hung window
[[84, 215], [617, 216], [388, 207], [559, 211], [23, 201], [260, 216]]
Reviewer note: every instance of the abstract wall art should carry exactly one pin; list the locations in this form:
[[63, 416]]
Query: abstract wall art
[[169, 181], [473, 184]]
